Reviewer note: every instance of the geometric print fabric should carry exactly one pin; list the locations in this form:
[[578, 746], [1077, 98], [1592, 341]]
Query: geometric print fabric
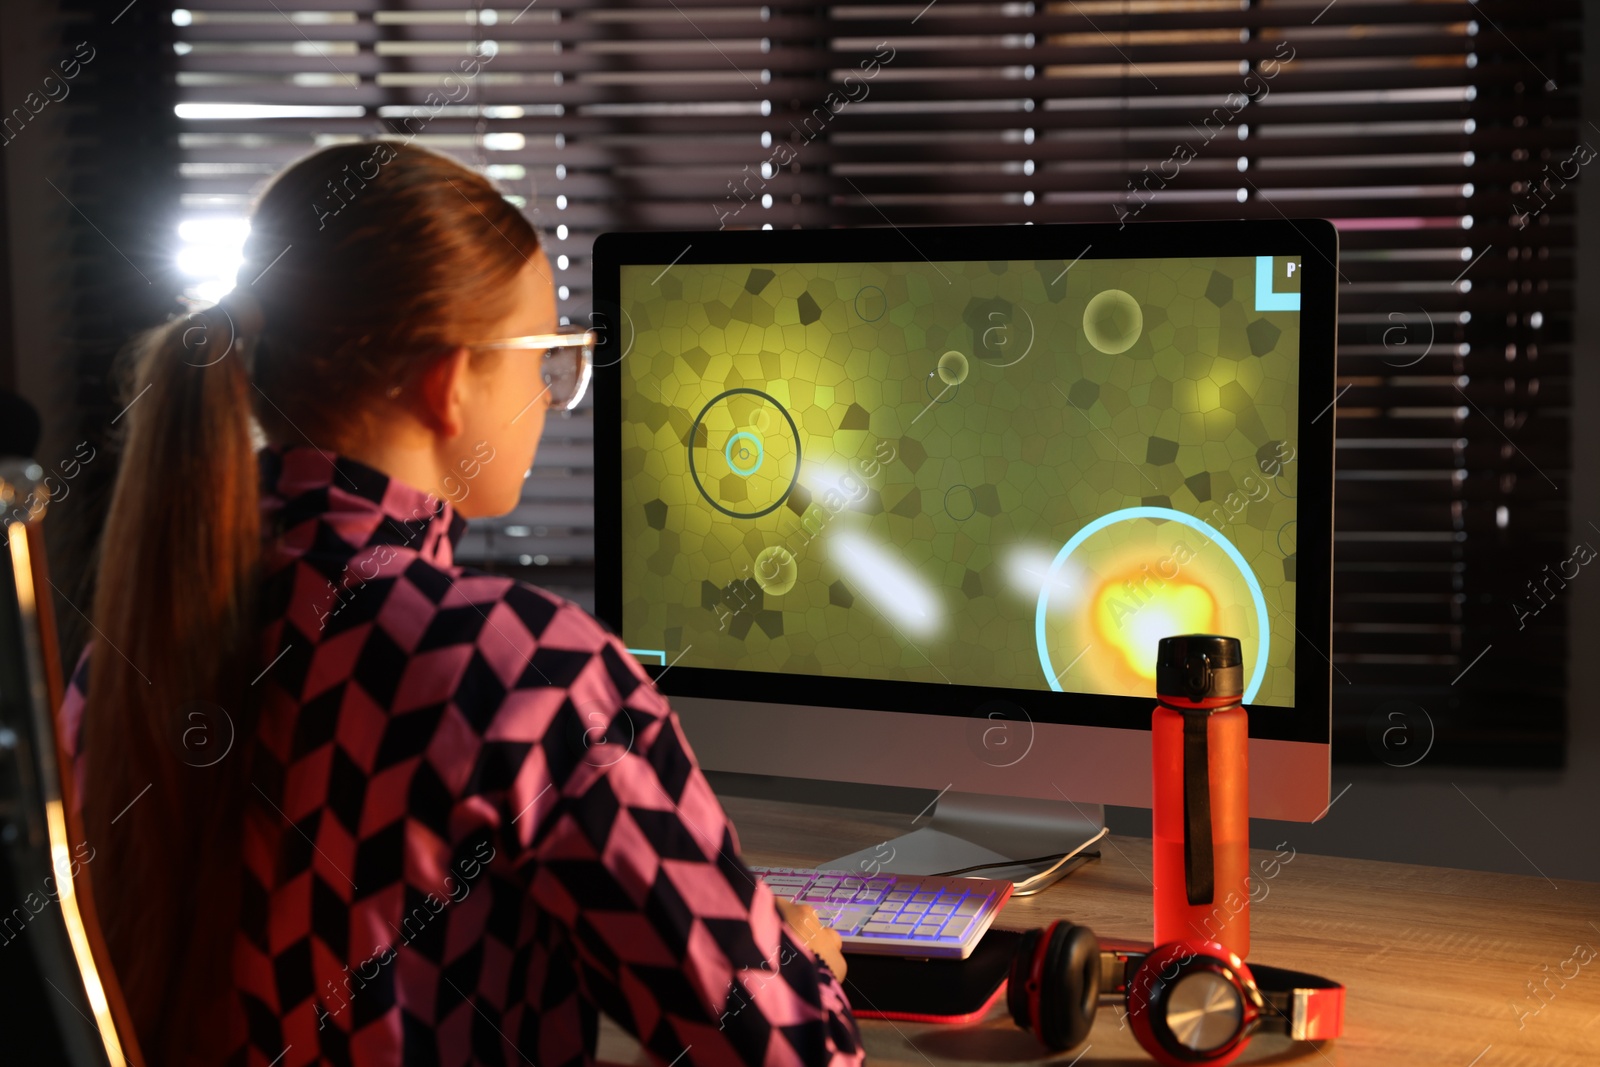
[[475, 823]]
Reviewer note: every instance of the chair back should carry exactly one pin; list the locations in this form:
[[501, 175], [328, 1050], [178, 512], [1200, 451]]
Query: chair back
[[51, 928]]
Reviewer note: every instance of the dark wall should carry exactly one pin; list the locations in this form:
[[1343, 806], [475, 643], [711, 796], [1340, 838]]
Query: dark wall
[[91, 217], [87, 217]]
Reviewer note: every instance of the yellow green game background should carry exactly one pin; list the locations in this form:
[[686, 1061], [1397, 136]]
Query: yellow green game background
[[877, 470]]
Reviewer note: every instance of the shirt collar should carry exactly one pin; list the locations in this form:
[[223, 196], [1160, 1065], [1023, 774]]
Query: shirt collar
[[309, 494]]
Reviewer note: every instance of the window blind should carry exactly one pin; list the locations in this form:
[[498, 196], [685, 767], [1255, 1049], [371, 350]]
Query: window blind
[[1441, 137]]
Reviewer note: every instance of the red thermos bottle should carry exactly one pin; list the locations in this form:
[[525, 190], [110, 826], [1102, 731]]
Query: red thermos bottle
[[1200, 776]]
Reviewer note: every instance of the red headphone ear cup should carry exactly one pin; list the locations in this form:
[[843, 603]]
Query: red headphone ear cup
[[1069, 987], [1158, 975], [1017, 980]]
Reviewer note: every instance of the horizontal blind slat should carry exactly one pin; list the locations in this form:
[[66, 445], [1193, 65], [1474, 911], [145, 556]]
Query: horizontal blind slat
[[1418, 131]]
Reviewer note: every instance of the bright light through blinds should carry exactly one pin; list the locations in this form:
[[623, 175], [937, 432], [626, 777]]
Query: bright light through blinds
[[262, 86], [210, 253], [1417, 130]]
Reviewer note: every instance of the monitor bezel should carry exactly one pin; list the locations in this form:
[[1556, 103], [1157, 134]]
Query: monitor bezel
[[1315, 241]]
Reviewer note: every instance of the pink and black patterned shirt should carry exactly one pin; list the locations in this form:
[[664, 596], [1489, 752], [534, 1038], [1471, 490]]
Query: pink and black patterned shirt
[[477, 824]]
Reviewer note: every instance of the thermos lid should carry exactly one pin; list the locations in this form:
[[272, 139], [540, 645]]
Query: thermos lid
[[1199, 666]]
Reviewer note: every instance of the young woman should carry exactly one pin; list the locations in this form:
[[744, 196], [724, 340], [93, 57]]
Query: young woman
[[352, 803]]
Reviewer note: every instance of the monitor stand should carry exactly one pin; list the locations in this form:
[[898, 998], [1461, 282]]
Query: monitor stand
[[969, 829]]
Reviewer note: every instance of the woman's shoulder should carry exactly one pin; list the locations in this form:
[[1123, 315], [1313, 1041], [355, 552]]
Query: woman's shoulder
[[542, 669], [546, 616], [540, 637], [70, 715]]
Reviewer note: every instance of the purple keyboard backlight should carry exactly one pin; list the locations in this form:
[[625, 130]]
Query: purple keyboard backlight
[[872, 907]]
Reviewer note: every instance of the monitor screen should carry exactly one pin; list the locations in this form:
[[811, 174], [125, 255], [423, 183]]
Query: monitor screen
[[987, 475]]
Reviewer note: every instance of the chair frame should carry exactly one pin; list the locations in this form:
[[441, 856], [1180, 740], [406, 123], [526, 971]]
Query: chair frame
[[40, 652]]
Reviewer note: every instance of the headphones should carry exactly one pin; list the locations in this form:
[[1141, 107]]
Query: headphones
[[1189, 1002]]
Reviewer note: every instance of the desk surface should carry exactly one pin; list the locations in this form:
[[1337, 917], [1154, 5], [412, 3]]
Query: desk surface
[[1438, 962]]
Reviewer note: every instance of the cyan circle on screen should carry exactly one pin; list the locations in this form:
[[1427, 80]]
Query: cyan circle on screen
[[727, 452], [1263, 628]]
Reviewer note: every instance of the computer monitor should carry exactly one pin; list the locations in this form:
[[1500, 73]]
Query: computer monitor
[[914, 506]]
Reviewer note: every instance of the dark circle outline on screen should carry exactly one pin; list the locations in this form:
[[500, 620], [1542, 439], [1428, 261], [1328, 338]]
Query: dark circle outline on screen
[[1279, 538], [1033, 335], [970, 496], [855, 303], [632, 332], [933, 376], [794, 479], [1276, 479]]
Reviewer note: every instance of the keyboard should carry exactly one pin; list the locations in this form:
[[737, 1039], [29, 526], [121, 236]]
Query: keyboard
[[895, 914]]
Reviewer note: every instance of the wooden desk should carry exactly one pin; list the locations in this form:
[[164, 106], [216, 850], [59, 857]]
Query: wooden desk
[[1437, 961]]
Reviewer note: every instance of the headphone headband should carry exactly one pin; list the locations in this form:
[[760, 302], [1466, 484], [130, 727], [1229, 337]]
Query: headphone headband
[[1058, 1001], [1307, 1007]]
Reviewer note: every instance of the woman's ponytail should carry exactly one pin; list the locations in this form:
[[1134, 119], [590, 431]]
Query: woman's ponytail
[[420, 255], [166, 724]]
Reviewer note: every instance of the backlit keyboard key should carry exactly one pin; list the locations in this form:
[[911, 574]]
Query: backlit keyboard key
[[895, 914], [849, 919]]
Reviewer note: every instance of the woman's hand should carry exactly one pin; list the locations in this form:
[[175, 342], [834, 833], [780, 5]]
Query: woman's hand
[[823, 940]]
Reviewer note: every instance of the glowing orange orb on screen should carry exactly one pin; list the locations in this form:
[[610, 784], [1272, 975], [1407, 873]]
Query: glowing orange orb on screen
[[1133, 611]]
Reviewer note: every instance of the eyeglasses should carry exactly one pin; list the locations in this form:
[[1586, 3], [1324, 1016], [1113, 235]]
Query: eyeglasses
[[568, 361]]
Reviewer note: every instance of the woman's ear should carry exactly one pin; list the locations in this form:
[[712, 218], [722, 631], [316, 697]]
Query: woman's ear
[[442, 393]]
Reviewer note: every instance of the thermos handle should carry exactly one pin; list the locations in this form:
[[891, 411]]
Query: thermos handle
[[1198, 871]]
